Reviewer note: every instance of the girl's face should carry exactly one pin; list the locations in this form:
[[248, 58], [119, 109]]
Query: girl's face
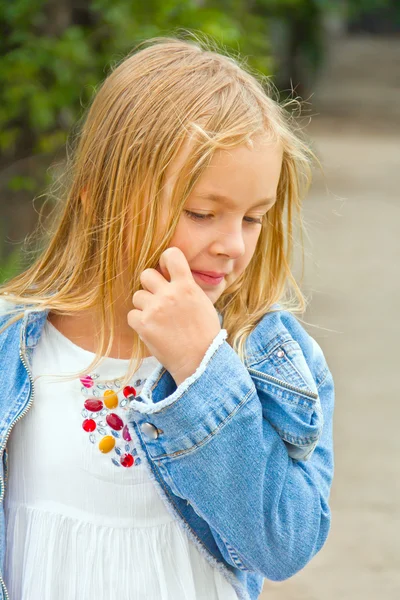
[[221, 221]]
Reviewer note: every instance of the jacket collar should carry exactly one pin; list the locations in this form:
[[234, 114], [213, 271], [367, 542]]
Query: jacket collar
[[32, 325]]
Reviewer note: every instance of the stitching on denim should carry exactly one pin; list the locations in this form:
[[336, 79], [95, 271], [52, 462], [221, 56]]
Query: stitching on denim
[[281, 340], [164, 370], [234, 556], [193, 448], [277, 341], [149, 409], [296, 369], [304, 394], [324, 374], [298, 441]]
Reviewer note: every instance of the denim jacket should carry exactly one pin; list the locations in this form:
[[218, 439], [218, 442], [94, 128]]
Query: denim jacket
[[240, 453]]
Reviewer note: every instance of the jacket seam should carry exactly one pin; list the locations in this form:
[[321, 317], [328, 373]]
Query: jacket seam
[[277, 341], [232, 553], [301, 441], [300, 393], [323, 374], [193, 379], [166, 490], [282, 340], [234, 556], [298, 372], [205, 440]]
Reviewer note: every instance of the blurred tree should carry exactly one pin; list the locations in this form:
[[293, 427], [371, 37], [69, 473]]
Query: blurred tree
[[374, 16], [55, 52]]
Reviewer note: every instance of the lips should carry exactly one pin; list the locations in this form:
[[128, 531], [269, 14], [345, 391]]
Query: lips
[[210, 273]]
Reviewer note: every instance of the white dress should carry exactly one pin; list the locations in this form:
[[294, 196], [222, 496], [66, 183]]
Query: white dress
[[85, 524]]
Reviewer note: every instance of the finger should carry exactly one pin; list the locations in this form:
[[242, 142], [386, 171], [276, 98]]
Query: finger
[[141, 298], [152, 280], [134, 320], [174, 262]]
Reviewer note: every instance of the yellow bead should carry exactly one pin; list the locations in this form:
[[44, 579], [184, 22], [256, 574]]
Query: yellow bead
[[110, 399], [106, 444]]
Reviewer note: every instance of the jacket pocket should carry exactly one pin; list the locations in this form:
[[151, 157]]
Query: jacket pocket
[[289, 398]]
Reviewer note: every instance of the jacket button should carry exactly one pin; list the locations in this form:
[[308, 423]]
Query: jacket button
[[280, 353], [149, 430]]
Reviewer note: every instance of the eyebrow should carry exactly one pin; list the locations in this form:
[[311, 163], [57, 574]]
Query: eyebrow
[[222, 198]]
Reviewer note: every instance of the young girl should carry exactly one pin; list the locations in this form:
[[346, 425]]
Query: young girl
[[148, 453]]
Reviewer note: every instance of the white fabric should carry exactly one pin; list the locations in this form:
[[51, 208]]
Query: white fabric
[[78, 526]]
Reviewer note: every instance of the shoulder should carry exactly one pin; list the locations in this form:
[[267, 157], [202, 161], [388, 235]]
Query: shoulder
[[8, 310], [5, 305], [280, 337]]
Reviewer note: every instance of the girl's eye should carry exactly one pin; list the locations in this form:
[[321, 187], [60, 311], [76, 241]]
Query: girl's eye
[[197, 216]]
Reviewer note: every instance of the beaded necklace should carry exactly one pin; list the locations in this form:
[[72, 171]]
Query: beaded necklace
[[104, 413]]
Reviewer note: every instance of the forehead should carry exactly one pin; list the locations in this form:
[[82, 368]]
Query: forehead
[[224, 200], [251, 158]]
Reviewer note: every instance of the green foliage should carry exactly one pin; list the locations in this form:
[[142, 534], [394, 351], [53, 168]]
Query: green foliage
[[55, 55], [20, 182], [11, 266], [357, 7], [47, 74]]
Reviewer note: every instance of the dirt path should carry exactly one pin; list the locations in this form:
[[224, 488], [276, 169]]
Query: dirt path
[[354, 277]]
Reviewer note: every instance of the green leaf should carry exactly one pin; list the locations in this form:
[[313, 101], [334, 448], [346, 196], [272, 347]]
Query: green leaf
[[19, 183], [11, 266]]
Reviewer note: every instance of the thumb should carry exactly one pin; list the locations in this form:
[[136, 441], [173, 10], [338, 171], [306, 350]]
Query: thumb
[[161, 268]]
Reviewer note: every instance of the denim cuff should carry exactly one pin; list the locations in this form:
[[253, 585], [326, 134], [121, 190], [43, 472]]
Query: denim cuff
[[177, 420], [154, 400]]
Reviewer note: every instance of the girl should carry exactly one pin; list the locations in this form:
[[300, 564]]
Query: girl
[[147, 452]]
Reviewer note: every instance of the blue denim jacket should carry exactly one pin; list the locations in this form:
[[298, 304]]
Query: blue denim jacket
[[241, 453]]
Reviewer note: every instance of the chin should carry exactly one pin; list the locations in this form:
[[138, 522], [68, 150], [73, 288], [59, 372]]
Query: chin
[[213, 296]]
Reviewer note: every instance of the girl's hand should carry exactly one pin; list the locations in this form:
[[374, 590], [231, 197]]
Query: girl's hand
[[173, 316]]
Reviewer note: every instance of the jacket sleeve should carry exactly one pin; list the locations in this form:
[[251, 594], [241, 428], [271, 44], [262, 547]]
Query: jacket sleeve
[[214, 447], [289, 397]]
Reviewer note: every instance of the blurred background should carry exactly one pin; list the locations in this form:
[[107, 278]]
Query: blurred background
[[343, 59]]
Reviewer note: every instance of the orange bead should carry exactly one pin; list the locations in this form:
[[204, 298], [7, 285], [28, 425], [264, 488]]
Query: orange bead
[[110, 399], [106, 444]]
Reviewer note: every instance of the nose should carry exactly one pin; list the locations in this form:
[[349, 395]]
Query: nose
[[230, 243]]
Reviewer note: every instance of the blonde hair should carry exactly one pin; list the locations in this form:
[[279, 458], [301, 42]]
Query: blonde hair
[[165, 90]]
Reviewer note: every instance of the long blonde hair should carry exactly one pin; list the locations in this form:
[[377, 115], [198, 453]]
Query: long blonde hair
[[166, 89]]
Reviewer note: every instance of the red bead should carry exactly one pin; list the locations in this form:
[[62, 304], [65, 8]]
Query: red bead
[[129, 391], [127, 460], [87, 381], [125, 434], [89, 425], [93, 405], [114, 421]]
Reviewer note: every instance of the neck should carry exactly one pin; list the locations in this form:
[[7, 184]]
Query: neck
[[82, 329]]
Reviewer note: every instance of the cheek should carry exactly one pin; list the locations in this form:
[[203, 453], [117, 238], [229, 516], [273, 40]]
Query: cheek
[[188, 238], [180, 238], [244, 261], [241, 264]]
